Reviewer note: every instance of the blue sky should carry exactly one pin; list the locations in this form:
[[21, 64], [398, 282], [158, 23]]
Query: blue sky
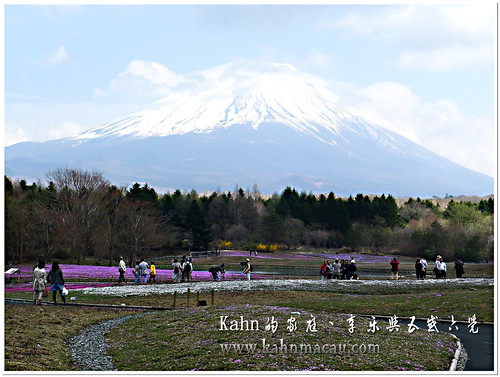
[[426, 72]]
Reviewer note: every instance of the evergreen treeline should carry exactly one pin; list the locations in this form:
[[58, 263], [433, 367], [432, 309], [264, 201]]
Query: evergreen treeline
[[80, 214]]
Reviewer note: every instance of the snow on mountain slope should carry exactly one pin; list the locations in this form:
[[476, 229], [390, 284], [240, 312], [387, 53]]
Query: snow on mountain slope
[[234, 95], [241, 124]]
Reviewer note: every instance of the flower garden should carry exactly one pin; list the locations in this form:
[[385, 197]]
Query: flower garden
[[265, 296]]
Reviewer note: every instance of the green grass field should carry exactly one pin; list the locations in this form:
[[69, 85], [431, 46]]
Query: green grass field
[[190, 338]]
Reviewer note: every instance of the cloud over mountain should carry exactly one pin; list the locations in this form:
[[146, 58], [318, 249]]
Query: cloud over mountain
[[244, 124]]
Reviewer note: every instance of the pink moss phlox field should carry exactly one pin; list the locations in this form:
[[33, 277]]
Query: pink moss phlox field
[[91, 276], [85, 276]]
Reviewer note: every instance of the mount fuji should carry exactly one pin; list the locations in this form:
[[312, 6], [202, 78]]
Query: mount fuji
[[269, 125]]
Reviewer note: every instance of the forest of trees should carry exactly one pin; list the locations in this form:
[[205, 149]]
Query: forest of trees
[[80, 215]]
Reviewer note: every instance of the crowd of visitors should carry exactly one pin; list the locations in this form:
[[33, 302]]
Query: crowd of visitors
[[439, 269], [340, 269]]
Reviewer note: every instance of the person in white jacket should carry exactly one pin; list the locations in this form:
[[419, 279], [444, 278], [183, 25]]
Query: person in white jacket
[[39, 282], [121, 269], [440, 268]]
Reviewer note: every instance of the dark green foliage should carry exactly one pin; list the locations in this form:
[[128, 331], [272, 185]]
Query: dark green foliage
[[9, 187], [487, 206], [39, 220]]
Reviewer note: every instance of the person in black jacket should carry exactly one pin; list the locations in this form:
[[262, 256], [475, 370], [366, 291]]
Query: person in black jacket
[[459, 268], [55, 277], [351, 271], [216, 270], [418, 269]]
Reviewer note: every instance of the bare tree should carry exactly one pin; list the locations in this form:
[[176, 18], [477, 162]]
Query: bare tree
[[140, 228], [80, 197]]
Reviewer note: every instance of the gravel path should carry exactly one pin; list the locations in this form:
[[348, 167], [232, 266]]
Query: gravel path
[[256, 285], [89, 348]]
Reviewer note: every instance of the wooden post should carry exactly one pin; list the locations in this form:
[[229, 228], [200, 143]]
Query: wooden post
[[198, 298], [212, 297], [175, 297], [188, 294]]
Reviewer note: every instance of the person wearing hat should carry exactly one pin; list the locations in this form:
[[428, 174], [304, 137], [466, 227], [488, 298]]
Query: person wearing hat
[[248, 268], [121, 269], [351, 271], [440, 268]]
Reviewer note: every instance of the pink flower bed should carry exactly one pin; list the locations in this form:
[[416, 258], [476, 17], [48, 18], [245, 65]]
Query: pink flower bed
[[93, 276]]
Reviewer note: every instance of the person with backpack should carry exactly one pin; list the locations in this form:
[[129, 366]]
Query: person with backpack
[[152, 272], [394, 269], [248, 268], [176, 271], [187, 270], [459, 268]]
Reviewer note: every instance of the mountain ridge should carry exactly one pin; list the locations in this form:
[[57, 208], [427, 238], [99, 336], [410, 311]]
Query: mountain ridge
[[269, 126]]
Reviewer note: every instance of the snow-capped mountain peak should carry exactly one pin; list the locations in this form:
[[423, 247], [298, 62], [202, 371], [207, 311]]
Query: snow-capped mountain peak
[[234, 94], [245, 124]]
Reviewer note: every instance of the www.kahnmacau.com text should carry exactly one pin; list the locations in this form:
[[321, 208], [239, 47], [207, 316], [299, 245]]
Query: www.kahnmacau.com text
[[283, 348]]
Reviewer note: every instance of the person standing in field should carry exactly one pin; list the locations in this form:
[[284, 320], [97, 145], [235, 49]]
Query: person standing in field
[[329, 270], [143, 270], [187, 270], [183, 274], [394, 269], [418, 269], [343, 269], [459, 268], [248, 268], [39, 282], [121, 269], [56, 278], [424, 267], [351, 271], [136, 272], [440, 268], [336, 269], [322, 270], [152, 272], [176, 273]]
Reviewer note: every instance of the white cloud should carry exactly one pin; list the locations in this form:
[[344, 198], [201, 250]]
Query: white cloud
[[143, 78], [57, 56], [65, 129], [428, 37], [445, 59], [13, 134], [32, 132], [317, 60], [437, 125]]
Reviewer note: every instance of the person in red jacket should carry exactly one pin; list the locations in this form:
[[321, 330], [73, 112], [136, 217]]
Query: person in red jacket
[[394, 269], [322, 270]]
